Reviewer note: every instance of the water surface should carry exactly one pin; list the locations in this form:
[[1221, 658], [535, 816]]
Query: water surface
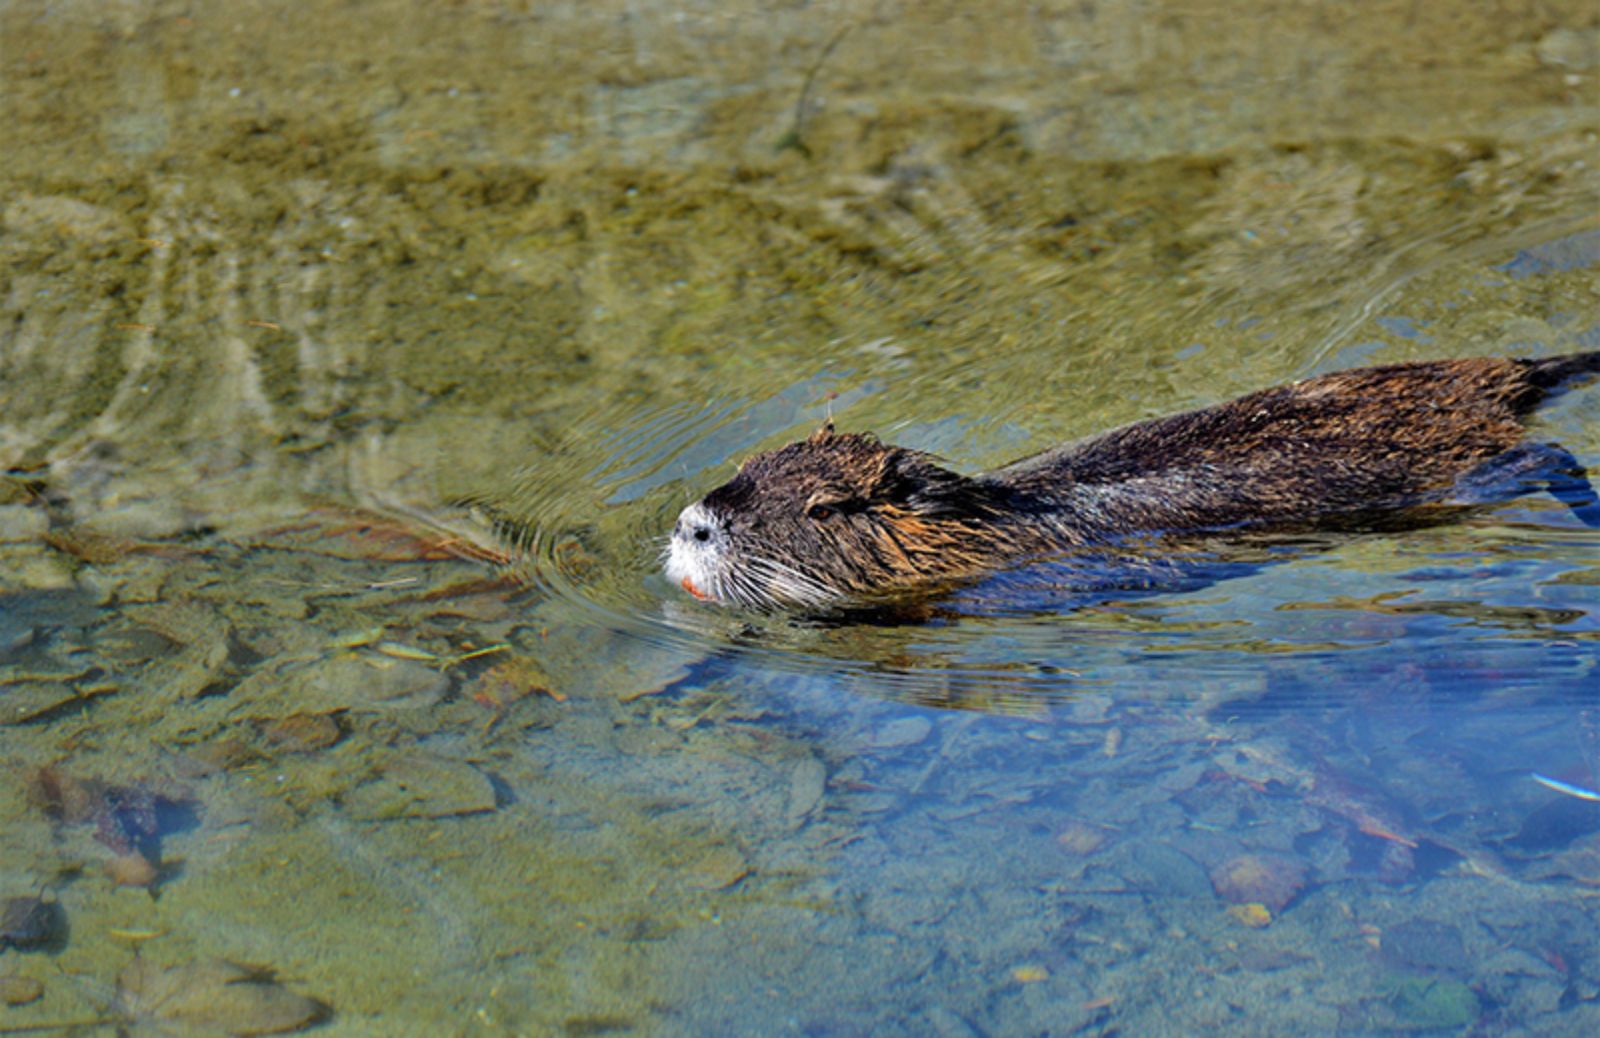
[[285, 290]]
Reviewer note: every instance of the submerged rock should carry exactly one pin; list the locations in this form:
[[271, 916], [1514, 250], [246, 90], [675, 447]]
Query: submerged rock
[[30, 922], [379, 683], [211, 996], [128, 819], [19, 991], [1154, 867], [423, 785], [1271, 880], [906, 731], [808, 781], [1425, 1004], [1425, 944]]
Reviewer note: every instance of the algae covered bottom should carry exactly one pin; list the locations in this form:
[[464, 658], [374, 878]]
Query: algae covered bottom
[[287, 744]]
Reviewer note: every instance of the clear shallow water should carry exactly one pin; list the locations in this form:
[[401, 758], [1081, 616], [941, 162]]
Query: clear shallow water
[[268, 317]]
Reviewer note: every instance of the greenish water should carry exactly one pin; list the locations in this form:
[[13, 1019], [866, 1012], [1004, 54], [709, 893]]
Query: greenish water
[[281, 286]]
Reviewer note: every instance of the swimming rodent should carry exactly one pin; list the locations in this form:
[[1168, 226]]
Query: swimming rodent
[[843, 515]]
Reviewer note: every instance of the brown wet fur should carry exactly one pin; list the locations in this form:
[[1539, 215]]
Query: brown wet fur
[[1348, 449]]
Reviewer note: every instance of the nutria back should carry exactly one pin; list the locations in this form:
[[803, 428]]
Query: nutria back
[[841, 515], [1338, 445]]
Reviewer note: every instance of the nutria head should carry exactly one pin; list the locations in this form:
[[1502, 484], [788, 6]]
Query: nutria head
[[833, 516]]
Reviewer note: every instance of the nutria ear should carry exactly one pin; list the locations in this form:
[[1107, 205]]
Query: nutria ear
[[915, 481], [824, 431]]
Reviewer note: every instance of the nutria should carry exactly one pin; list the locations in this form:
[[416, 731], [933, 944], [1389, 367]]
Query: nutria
[[842, 515]]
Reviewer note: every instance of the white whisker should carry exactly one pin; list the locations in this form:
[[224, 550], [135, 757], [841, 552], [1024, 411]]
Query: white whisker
[[792, 584]]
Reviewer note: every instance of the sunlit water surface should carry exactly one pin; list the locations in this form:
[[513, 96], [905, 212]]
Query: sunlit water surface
[[272, 691]]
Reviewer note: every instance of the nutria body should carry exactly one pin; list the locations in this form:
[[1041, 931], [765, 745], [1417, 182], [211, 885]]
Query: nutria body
[[843, 515]]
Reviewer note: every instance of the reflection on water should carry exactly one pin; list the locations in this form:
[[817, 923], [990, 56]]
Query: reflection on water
[[292, 305]]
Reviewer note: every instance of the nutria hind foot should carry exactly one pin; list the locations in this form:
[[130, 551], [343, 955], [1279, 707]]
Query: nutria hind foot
[[1552, 375], [1531, 468]]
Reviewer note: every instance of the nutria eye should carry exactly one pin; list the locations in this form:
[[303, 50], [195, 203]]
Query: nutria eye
[[819, 512]]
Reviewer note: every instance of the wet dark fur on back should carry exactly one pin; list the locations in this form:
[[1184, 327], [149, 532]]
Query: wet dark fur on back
[[844, 514], [1348, 443]]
